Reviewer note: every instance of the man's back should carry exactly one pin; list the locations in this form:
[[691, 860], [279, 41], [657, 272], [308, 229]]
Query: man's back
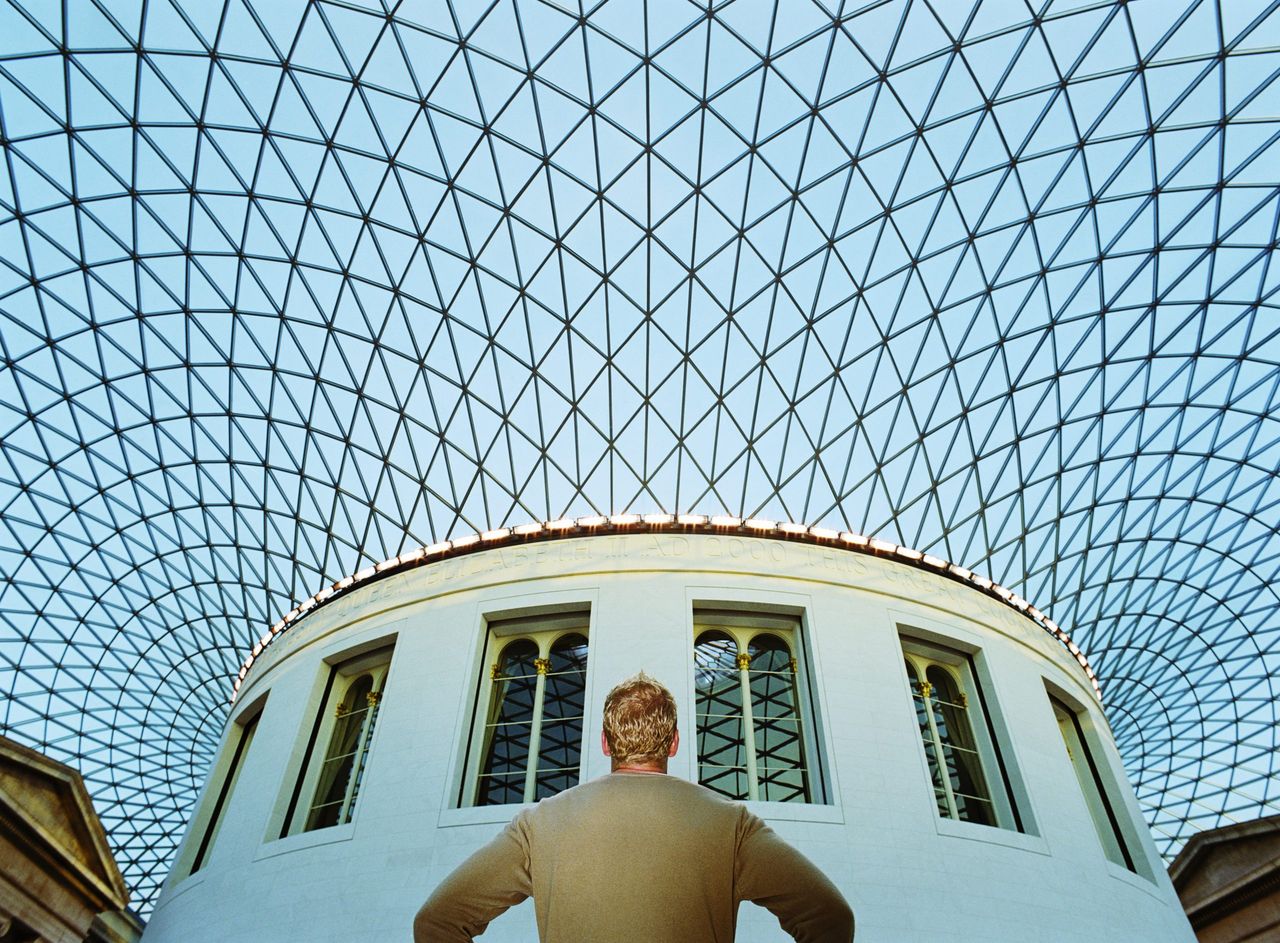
[[637, 856]]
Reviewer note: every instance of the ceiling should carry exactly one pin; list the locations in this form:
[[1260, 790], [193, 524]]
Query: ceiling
[[289, 288]]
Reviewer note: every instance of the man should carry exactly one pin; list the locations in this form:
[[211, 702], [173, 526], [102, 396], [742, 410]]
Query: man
[[636, 855]]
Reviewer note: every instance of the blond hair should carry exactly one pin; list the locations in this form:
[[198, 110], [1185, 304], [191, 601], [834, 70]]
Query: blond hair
[[639, 721]]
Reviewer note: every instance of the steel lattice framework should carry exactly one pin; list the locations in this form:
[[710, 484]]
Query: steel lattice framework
[[287, 288]]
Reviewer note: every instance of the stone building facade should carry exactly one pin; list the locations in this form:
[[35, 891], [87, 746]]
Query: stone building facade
[[58, 879]]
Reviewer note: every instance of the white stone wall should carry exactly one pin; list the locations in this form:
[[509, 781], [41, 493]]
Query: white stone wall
[[909, 875]]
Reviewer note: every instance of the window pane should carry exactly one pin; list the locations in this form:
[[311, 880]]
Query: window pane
[[501, 788], [716, 677], [553, 781], [569, 653], [721, 751], [566, 691], [507, 756], [334, 774], [719, 694], [341, 758], [515, 683], [325, 815], [772, 678], [960, 754], [563, 706], [778, 744], [720, 742], [779, 740], [338, 747], [510, 726], [370, 722], [532, 746], [968, 786], [560, 746], [728, 781], [714, 651], [508, 748], [783, 785]]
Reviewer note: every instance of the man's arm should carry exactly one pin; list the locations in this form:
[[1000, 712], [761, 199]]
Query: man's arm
[[491, 880], [771, 873]]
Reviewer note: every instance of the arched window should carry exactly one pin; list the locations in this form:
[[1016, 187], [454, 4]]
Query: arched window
[[964, 766], [722, 752], [1095, 785], [531, 735], [509, 731], [327, 790], [754, 732], [340, 774], [559, 743], [242, 730], [775, 712]]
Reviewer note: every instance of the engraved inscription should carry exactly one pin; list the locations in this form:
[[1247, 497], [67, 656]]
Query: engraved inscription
[[740, 548], [836, 561], [911, 581]]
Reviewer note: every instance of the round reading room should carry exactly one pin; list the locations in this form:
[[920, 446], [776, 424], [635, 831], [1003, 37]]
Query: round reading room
[[932, 742]]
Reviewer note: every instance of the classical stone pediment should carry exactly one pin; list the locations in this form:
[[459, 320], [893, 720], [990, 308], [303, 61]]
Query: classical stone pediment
[[48, 817], [1228, 864]]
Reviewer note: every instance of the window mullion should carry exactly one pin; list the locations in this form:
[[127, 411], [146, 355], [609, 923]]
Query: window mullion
[[748, 725], [543, 665]]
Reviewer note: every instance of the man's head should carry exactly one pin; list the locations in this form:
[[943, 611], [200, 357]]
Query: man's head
[[640, 724]]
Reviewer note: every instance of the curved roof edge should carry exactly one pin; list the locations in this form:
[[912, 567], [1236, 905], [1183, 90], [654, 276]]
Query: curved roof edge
[[599, 525]]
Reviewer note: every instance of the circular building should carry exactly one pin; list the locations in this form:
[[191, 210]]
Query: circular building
[[931, 741]]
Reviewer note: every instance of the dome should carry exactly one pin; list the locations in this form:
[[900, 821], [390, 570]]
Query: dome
[[290, 289]]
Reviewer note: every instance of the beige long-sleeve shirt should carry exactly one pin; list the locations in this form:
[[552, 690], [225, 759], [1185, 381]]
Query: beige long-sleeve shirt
[[636, 857]]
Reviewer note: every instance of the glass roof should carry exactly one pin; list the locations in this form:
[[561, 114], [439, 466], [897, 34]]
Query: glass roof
[[289, 288]]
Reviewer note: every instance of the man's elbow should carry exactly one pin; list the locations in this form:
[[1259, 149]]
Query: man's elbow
[[426, 924], [828, 919], [843, 915], [837, 919], [442, 920], [422, 924]]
